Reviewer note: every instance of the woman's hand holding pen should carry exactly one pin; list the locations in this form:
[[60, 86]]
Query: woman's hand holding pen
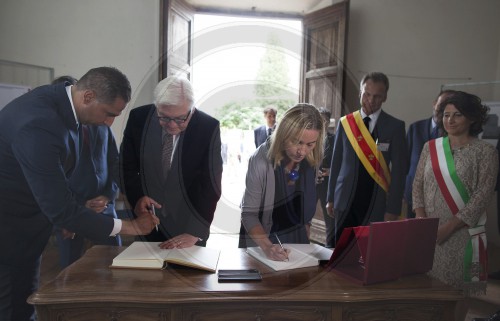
[[272, 251], [276, 252]]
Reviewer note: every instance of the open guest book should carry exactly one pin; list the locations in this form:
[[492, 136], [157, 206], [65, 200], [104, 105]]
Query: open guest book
[[300, 256], [148, 255]]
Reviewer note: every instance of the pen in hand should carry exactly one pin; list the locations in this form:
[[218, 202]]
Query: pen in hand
[[154, 213], [281, 245]]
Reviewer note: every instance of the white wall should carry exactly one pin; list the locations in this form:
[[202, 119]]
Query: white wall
[[74, 36], [421, 45]]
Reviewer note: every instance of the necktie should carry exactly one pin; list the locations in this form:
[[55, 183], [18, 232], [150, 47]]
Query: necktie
[[79, 147], [366, 120], [269, 131], [166, 155], [85, 141], [85, 131], [435, 132]]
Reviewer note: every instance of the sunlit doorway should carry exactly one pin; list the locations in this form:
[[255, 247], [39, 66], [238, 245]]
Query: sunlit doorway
[[241, 65]]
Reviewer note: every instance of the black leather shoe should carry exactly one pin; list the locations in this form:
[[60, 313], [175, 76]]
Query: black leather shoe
[[493, 317]]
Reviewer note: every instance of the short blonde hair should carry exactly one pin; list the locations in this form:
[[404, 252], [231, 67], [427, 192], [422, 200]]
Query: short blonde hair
[[295, 120]]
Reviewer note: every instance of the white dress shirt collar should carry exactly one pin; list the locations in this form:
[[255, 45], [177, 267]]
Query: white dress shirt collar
[[373, 118], [70, 96]]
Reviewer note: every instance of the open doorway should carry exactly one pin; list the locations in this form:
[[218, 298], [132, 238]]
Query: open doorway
[[322, 69], [240, 66]]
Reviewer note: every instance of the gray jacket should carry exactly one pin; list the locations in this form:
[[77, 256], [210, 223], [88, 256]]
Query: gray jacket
[[259, 191]]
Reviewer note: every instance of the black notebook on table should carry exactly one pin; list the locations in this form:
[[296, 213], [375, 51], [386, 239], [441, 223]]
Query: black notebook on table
[[239, 275]]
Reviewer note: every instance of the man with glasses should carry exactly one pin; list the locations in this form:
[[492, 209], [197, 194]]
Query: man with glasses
[[171, 164]]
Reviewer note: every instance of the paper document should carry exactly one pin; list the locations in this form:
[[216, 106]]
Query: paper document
[[300, 256], [148, 255]]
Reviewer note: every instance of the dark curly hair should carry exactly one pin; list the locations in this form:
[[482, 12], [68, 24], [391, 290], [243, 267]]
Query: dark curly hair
[[470, 106]]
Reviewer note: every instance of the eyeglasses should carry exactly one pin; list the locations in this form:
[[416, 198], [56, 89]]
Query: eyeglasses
[[177, 120]]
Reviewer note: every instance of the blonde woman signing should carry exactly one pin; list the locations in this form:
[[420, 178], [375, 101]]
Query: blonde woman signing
[[279, 201], [455, 180]]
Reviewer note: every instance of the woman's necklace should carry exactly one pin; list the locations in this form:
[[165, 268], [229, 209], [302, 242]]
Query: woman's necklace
[[293, 174], [459, 145]]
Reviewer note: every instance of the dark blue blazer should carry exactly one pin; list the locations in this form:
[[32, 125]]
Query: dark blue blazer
[[260, 135], [39, 148], [97, 174], [418, 134], [345, 167], [193, 187]]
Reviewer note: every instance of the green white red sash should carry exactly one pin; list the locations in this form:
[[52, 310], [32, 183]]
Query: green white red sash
[[449, 183], [366, 149], [456, 196]]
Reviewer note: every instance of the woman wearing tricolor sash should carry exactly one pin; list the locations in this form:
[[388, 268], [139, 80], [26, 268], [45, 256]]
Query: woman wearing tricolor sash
[[455, 181]]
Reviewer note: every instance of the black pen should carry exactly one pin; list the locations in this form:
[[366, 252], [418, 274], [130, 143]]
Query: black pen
[[154, 213], [281, 245]]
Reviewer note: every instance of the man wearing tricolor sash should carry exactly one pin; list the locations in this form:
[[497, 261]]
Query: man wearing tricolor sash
[[454, 181], [369, 162]]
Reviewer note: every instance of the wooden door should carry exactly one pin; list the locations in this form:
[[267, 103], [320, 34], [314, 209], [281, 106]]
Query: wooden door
[[176, 38], [323, 59], [325, 38]]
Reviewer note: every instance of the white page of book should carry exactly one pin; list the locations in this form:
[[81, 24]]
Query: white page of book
[[149, 254], [300, 256]]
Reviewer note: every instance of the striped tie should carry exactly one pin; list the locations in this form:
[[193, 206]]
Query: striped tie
[[166, 154]]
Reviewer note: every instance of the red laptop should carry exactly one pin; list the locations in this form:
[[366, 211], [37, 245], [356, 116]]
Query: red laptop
[[385, 251]]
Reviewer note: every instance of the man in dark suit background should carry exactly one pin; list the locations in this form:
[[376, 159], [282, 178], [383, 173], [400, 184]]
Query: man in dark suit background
[[39, 149], [354, 196], [261, 133], [171, 159], [321, 182], [418, 134]]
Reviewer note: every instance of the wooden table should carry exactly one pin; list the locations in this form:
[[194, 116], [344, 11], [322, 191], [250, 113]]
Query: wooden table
[[90, 290]]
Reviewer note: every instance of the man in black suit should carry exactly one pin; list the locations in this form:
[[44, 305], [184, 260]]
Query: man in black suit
[[369, 162], [322, 183], [418, 134], [261, 133], [171, 160], [39, 149]]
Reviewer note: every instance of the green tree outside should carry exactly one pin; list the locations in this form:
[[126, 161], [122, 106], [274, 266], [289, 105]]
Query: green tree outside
[[272, 87]]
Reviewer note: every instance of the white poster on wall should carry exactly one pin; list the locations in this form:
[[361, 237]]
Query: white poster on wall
[[9, 92]]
